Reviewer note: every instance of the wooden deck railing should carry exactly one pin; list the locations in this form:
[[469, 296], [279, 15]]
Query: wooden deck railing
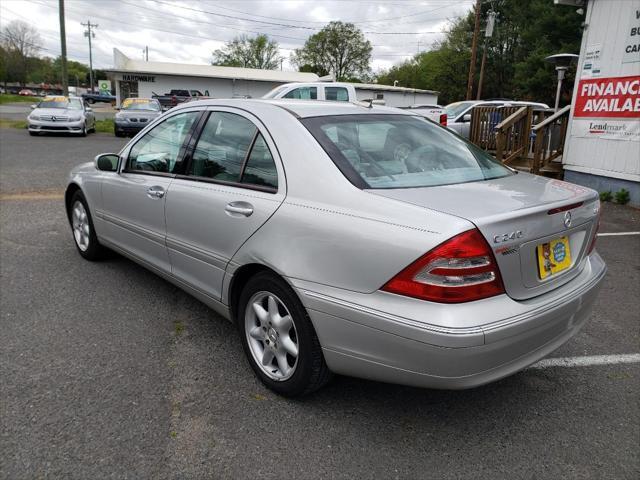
[[512, 135], [484, 120], [549, 135]]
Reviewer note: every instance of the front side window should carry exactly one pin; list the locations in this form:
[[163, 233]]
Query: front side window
[[400, 151], [159, 149], [303, 93], [337, 94]]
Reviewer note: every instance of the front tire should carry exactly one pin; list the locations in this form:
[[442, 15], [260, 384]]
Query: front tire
[[84, 235], [83, 133], [278, 337]]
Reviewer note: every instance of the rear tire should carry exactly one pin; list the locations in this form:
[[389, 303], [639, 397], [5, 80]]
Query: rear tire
[[281, 329], [84, 235]]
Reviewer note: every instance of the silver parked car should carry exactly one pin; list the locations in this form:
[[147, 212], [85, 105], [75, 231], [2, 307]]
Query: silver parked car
[[459, 113], [58, 114], [293, 219], [134, 114]]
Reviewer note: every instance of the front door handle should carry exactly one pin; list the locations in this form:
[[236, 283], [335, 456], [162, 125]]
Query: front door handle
[[155, 192], [237, 209]]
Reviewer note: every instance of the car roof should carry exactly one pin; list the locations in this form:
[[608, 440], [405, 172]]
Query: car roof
[[301, 108]]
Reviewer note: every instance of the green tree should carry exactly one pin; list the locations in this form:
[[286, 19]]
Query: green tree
[[339, 48], [515, 66], [247, 52], [20, 42]]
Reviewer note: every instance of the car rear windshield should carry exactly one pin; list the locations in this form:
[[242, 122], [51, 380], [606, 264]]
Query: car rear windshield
[[400, 151]]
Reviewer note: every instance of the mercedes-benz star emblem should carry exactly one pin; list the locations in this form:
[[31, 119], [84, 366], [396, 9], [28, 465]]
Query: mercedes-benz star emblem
[[567, 219], [53, 119]]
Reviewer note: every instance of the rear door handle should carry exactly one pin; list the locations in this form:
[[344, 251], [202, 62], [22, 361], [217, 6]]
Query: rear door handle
[[155, 192], [237, 209]]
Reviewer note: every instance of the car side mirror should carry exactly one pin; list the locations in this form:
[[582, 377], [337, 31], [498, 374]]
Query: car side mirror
[[107, 162], [33, 107], [466, 117], [89, 109]]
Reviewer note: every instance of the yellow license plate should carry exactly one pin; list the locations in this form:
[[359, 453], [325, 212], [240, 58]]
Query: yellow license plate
[[553, 257]]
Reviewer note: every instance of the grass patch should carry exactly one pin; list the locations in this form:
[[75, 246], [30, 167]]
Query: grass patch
[[178, 327], [104, 126], [6, 123], [10, 98]]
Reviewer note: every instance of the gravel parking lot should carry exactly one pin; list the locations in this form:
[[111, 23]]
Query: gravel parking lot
[[108, 371]]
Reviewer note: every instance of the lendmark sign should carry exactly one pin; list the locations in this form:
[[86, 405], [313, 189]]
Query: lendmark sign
[[617, 97]]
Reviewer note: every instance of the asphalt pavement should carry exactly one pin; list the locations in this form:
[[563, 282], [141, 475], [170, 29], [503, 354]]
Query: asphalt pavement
[[108, 371]]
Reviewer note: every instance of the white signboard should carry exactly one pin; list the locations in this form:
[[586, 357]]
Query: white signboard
[[631, 44], [607, 128], [591, 64]]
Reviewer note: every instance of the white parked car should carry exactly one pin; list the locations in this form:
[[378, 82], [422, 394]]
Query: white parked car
[[433, 112]]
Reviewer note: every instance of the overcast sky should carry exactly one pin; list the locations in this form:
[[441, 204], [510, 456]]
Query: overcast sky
[[189, 31]]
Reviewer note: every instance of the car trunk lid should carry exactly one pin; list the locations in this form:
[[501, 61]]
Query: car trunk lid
[[516, 214]]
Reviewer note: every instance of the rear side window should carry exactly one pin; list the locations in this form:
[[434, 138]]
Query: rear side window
[[222, 147], [337, 94], [303, 93], [400, 151], [260, 168], [231, 150]]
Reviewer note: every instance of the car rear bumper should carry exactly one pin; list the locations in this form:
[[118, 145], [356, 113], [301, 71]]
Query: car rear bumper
[[368, 343]]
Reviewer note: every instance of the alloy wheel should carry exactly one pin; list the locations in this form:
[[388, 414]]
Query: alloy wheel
[[271, 335], [80, 225]]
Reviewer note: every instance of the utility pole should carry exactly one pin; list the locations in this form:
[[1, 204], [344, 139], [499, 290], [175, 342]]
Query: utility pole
[[63, 49], [488, 33], [89, 34], [474, 51], [146, 53]]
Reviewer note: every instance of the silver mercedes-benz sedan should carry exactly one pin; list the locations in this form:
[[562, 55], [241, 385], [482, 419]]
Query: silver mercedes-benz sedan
[[296, 221], [58, 114]]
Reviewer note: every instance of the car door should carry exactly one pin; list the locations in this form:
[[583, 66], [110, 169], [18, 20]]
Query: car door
[[233, 183], [89, 115], [134, 200]]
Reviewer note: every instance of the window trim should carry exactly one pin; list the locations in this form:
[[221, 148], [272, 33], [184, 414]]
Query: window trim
[[191, 150], [181, 152]]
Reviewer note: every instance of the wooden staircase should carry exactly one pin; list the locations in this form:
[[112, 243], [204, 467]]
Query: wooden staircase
[[528, 140]]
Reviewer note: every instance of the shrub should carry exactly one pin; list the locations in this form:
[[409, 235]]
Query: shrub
[[606, 196], [622, 197]]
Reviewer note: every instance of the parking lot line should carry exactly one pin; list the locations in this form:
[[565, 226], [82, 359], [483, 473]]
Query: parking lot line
[[51, 195], [588, 361], [617, 234]]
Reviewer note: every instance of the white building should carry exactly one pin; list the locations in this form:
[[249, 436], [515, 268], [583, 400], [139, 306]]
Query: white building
[[602, 148], [138, 78]]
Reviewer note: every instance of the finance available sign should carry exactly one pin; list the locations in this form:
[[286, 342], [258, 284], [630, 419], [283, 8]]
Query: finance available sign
[[608, 108]]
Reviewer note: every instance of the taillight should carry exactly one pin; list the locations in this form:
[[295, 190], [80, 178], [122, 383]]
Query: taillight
[[592, 245], [443, 119], [461, 269]]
